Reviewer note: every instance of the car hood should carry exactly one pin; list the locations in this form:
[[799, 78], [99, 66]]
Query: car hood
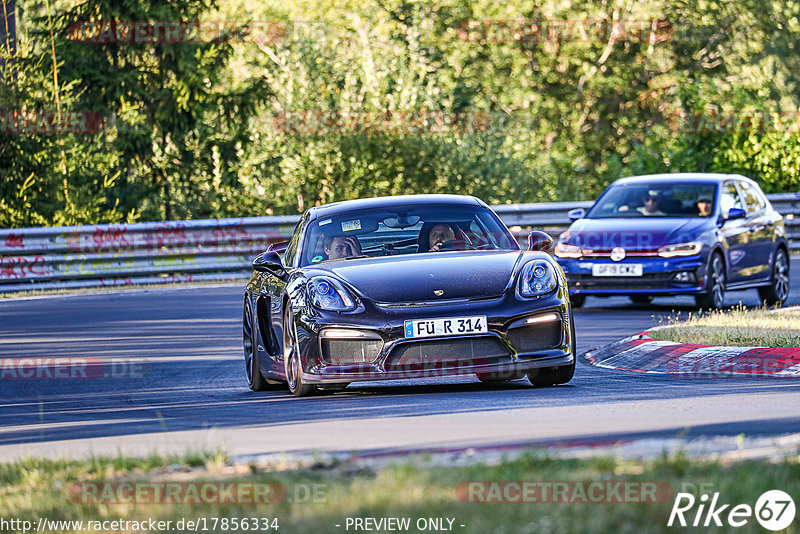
[[415, 277], [639, 233]]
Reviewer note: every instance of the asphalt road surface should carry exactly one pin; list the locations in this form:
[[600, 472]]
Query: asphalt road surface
[[166, 374]]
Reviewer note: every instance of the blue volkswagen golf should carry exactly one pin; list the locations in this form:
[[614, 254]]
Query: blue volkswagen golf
[[677, 234]]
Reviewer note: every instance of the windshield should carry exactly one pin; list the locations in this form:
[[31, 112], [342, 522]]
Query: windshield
[[661, 200], [405, 230]]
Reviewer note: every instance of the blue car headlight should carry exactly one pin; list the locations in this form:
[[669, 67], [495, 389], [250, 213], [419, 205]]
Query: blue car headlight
[[680, 249], [538, 278], [328, 294]]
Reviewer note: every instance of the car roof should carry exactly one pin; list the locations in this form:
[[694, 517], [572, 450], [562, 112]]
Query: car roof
[[683, 177], [399, 200]]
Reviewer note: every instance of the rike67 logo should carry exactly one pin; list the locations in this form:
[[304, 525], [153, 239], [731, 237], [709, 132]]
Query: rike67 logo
[[774, 510]]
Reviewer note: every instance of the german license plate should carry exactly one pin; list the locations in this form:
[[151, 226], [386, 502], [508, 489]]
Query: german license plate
[[617, 269], [451, 326]]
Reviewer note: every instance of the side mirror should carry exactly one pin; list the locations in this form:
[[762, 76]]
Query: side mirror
[[576, 214], [269, 262], [735, 213], [278, 247], [539, 241]]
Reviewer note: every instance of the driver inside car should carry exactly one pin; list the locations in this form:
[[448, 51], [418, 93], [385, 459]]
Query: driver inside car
[[439, 235], [341, 247]]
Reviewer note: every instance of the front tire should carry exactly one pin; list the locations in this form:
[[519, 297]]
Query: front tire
[[714, 296], [551, 376], [777, 291], [291, 357], [577, 301], [255, 379]]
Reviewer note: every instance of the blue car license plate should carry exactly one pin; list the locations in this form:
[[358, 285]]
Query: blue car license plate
[[617, 269]]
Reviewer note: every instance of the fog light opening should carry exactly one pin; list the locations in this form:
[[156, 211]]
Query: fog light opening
[[684, 276], [546, 318]]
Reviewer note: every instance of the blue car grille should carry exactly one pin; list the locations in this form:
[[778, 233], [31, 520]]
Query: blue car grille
[[647, 280]]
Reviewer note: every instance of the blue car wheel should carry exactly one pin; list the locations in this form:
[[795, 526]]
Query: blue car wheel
[[714, 296], [778, 290]]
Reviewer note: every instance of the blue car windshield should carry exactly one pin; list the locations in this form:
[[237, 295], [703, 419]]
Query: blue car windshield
[[404, 230], [655, 200]]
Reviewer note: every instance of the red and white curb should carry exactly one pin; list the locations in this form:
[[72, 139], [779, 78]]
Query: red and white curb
[[642, 354]]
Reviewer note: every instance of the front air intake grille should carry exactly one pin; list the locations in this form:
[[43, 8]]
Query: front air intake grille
[[351, 351], [439, 353], [646, 281], [537, 336]]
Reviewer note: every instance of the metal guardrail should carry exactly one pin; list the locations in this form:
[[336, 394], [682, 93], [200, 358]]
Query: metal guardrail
[[217, 249], [140, 253]]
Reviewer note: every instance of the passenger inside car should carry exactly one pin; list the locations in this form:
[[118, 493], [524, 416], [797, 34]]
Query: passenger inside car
[[704, 207]]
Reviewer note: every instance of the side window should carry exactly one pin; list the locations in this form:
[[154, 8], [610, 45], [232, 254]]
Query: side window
[[730, 199], [752, 198], [291, 250], [475, 229]]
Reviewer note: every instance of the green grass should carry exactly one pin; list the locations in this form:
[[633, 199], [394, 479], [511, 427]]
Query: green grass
[[737, 327], [30, 470], [38, 488]]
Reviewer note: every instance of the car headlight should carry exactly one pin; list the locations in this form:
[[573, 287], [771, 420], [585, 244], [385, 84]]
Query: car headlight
[[538, 277], [568, 251], [328, 294], [680, 249]]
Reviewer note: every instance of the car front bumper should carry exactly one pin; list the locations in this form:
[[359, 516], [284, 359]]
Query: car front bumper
[[660, 276], [516, 341], [337, 374]]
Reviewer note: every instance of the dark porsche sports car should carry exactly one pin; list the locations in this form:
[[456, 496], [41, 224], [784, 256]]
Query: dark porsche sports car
[[677, 234], [405, 287]]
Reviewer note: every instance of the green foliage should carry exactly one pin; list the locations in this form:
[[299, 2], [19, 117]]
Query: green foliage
[[197, 130], [416, 487]]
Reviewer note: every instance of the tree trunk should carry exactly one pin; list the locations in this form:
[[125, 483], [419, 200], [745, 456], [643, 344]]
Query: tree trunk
[[167, 199], [8, 35]]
